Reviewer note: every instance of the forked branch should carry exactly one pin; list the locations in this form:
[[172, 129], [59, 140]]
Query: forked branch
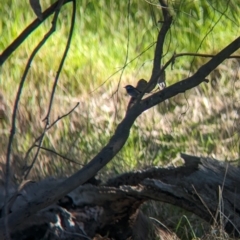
[[117, 141], [159, 47], [33, 26]]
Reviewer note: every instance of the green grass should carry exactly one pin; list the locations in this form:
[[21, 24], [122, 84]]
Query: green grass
[[202, 121]]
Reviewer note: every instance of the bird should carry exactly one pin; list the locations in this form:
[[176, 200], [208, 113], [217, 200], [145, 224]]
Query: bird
[[132, 91]]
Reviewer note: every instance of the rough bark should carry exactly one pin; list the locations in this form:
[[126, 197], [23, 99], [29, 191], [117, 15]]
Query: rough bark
[[206, 187]]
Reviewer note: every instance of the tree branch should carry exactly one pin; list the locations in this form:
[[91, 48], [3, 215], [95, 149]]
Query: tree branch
[[48, 127], [20, 39], [57, 76], [159, 47], [15, 108], [116, 142], [193, 81], [58, 154]]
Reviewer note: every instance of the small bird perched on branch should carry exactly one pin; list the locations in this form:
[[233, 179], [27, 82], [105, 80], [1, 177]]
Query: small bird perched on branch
[[132, 91]]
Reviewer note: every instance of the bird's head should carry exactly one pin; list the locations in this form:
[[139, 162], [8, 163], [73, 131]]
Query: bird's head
[[129, 87]]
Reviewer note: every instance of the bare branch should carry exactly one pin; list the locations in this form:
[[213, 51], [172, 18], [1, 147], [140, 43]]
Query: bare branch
[[177, 55], [159, 47], [58, 154], [117, 141], [20, 39], [62, 60], [48, 127], [63, 116], [193, 81], [14, 115], [57, 76]]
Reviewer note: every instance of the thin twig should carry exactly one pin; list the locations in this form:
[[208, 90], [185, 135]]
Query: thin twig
[[58, 154], [208, 33], [63, 116], [121, 69], [27, 31], [204, 204], [37, 153], [48, 127], [62, 60], [14, 118], [126, 57], [56, 79], [176, 55]]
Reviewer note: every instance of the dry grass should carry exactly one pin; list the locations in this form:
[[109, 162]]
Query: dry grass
[[203, 121]]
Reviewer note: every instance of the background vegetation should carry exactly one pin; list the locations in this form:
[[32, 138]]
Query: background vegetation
[[113, 45]]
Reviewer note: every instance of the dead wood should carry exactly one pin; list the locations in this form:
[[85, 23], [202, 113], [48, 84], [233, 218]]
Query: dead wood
[[206, 187]]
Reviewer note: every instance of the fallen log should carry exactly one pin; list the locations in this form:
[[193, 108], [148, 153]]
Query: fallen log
[[206, 187]]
